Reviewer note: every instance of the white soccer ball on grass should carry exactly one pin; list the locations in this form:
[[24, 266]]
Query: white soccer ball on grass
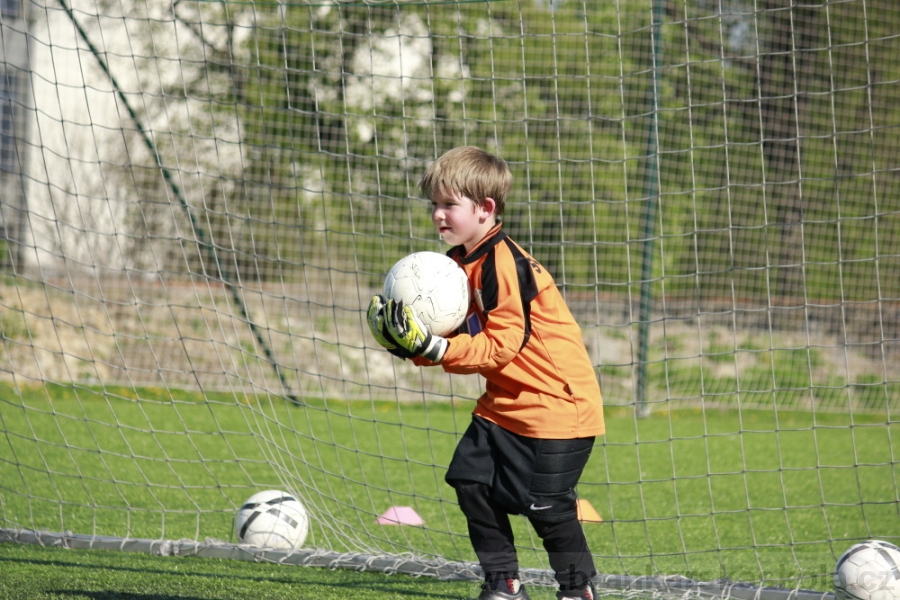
[[272, 519], [868, 571], [434, 286]]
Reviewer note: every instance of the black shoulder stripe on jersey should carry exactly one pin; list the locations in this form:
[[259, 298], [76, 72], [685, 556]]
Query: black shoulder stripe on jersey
[[525, 273], [527, 285], [489, 288], [525, 276]]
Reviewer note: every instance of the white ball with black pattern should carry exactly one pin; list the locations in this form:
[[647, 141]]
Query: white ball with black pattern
[[868, 571], [272, 519], [434, 286]]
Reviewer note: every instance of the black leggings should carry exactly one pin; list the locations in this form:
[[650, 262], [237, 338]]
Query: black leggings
[[494, 543]]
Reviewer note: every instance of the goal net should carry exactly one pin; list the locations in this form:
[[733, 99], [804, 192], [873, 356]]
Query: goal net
[[198, 199]]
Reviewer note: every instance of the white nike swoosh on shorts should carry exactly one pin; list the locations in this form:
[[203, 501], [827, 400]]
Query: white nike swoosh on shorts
[[533, 507]]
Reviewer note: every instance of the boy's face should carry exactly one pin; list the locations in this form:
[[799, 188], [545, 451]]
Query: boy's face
[[459, 220]]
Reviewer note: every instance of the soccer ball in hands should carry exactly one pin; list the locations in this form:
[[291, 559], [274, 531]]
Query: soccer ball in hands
[[868, 571], [434, 286], [272, 519]]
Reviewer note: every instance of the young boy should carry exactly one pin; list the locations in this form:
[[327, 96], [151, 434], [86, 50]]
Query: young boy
[[533, 429]]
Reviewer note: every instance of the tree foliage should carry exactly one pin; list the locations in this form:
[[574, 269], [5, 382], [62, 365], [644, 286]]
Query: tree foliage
[[769, 159]]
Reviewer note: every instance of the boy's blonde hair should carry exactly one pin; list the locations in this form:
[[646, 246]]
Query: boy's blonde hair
[[471, 172]]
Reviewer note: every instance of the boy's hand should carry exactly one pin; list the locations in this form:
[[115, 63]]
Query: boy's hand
[[378, 326], [408, 332]]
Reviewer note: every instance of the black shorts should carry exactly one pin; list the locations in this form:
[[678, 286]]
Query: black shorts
[[527, 476]]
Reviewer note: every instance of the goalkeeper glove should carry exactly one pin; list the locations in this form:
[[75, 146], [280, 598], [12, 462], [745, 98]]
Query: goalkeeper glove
[[378, 326], [410, 334]]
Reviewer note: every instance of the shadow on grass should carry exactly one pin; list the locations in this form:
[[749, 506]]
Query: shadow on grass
[[110, 595], [315, 578]]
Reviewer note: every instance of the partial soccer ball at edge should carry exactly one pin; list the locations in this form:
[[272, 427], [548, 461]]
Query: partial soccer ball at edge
[[434, 286], [868, 571], [272, 519]]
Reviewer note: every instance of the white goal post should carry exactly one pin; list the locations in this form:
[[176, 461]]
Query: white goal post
[[198, 199]]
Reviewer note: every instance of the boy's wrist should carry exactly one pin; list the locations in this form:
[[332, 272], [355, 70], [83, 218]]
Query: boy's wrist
[[435, 348]]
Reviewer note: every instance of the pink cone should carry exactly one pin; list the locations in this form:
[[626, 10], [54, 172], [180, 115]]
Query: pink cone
[[400, 515]]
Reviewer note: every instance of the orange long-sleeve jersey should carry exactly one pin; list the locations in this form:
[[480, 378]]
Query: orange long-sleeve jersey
[[522, 338]]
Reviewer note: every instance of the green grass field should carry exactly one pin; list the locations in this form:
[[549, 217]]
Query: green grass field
[[760, 496], [36, 573]]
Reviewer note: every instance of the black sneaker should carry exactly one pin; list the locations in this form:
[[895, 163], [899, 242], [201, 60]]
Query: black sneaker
[[503, 589], [585, 594]]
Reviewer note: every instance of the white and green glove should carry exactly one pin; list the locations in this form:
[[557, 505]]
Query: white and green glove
[[378, 326], [406, 330]]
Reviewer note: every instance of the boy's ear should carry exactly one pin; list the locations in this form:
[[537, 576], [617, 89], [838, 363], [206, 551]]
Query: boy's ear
[[488, 206]]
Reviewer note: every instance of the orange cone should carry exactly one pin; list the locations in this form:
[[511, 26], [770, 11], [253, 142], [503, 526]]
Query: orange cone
[[586, 512]]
